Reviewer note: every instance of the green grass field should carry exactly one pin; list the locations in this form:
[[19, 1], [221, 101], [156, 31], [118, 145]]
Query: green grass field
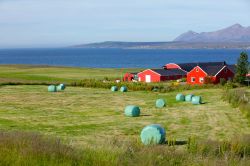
[[93, 119], [31, 73], [90, 116]]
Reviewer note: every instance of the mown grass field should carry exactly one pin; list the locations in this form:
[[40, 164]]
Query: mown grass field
[[92, 120], [91, 116]]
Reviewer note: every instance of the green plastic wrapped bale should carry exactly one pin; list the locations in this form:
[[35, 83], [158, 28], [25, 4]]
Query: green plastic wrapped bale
[[153, 134], [114, 88], [132, 111], [188, 97], [60, 87], [180, 97], [160, 103], [155, 89], [123, 89], [52, 88], [63, 86], [196, 100]]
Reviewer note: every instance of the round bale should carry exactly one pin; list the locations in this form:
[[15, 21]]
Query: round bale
[[52, 88], [114, 88], [132, 111], [60, 87], [196, 100], [155, 89], [189, 97], [153, 134], [123, 89], [180, 97], [160, 103], [63, 86]]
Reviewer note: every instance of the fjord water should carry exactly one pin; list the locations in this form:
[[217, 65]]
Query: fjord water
[[115, 58]]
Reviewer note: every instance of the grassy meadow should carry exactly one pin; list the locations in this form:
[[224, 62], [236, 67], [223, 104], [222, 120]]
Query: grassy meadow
[[81, 114], [91, 124], [38, 74]]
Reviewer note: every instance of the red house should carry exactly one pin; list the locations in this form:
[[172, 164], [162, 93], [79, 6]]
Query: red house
[[158, 75], [213, 70]]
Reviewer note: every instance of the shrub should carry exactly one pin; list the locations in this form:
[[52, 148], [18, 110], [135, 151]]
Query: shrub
[[223, 81]]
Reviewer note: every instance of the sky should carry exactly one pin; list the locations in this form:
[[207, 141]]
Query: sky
[[59, 23]]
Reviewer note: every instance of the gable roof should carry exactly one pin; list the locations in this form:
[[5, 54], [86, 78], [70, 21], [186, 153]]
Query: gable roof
[[170, 72], [232, 68], [211, 70], [189, 66]]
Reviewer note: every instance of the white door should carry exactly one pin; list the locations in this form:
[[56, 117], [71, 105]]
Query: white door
[[148, 78]]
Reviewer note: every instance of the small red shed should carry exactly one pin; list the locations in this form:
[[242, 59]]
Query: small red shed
[[158, 75], [215, 71], [129, 76]]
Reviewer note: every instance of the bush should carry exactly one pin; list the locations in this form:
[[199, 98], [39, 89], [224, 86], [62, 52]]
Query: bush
[[134, 86], [223, 81]]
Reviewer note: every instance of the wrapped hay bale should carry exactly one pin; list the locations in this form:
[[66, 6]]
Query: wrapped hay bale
[[60, 87], [180, 97], [132, 111], [123, 89], [63, 86], [189, 97], [155, 89], [52, 88], [160, 103], [196, 100], [114, 88], [153, 134]]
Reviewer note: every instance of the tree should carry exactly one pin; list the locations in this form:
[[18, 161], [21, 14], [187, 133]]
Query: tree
[[242, 68]]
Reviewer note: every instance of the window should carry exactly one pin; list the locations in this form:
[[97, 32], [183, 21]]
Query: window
[[197, 69], [226, 70], [148, 78], [192, 79], [201, 79]]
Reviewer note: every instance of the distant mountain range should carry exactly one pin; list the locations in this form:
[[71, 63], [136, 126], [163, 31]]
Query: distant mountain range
[[234, 33], [235, 36]]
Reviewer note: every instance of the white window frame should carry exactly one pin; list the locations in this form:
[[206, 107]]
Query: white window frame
[[148, 80], [197, 70], [192, 79], [201, 79]]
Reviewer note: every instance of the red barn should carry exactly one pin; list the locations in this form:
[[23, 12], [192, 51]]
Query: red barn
[[158, 75], [213, 70]]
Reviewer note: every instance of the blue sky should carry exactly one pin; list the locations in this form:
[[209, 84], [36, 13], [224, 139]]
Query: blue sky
[[55, 23]]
